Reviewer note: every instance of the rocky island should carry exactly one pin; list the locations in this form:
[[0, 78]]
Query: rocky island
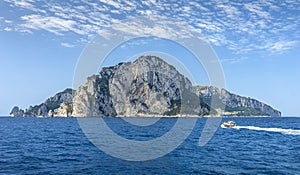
[[149, 86]]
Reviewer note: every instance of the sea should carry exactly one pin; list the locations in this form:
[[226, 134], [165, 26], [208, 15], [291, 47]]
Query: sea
[[257, 145]]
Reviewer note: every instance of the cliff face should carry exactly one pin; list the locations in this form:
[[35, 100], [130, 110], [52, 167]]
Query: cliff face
[[93, 98], [58, 105], [146, 87], [16, 112], [235, 104]]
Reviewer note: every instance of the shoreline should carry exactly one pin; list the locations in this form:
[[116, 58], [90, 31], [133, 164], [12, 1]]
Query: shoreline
[[144, 116]]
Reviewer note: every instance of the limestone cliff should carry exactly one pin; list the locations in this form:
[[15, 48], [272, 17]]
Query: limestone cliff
[[147, 87], [16, 112], [58, 105], [93, 98], [235, 104]]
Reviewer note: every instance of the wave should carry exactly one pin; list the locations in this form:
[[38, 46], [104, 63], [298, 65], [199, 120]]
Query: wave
[[280, 130]]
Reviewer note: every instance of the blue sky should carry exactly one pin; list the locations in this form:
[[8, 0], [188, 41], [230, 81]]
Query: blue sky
[[256, 41]]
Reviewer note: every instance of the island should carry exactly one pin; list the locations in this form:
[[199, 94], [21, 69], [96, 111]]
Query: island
[[147, 87]]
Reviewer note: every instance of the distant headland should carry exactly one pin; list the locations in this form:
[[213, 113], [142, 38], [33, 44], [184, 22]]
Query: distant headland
[[148, 87]]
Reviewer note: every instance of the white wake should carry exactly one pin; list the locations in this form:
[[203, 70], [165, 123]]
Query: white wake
[[280, 130]]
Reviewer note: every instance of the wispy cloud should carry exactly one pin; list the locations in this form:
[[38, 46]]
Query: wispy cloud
[[257, 10], [281, 46], [233, 60], [52, 24], [269, 26], [67, 45], [25, 4], [7, 29]]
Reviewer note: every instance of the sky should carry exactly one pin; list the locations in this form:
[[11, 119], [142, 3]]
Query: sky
[[257, 43]]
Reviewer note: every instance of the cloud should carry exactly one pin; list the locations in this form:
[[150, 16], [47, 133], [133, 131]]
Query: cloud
[[25, 4], [268, 26], [256, 9], [68, 45], [112, 3], [51, 24], [233, 60], [8, 21], [281, 46], [7, 29]]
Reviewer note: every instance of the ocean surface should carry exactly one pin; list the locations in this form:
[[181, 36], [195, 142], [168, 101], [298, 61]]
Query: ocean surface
[[258, 145]]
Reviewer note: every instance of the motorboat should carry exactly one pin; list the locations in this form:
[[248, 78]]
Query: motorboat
[[228, 124]]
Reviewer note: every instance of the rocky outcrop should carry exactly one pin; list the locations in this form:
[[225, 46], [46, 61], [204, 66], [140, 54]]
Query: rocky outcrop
[[16, 112], [235, 104], [93, 98], [147, 87], [58, 105], [65, 110]]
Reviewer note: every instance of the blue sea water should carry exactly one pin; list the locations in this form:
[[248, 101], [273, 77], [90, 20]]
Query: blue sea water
[[58, 146]]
